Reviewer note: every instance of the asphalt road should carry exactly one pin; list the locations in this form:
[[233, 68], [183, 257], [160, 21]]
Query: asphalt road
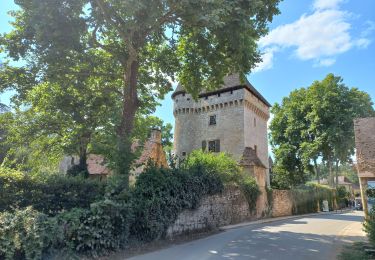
[[313, 237]]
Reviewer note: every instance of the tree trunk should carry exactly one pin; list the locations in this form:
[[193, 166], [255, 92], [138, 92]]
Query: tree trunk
[[317, 171], [125, 129], [330, 170], [83, 156], [337, 173]]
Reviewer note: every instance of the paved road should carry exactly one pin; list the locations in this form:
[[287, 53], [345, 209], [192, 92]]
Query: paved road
[[315, 237]]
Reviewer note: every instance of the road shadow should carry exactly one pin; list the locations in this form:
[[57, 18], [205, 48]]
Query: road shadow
[[283, 245]]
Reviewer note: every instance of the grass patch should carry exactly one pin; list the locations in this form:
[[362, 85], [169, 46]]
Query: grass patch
[[357, 251]]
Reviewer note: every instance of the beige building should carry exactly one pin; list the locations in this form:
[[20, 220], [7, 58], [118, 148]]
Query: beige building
[[225, 120], [364, 129]]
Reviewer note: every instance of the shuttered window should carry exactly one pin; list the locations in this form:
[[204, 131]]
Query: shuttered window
[[214, 146]]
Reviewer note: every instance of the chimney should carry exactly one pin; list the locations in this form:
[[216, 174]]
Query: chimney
[[155, 135]]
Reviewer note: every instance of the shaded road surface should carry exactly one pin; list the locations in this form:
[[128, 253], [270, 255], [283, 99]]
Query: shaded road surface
[[315, 237]]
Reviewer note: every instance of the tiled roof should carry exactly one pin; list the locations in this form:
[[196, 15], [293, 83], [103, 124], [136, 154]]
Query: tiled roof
[[230, 82]]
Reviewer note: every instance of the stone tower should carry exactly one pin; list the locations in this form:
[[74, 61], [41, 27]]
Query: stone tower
[[228, 119]]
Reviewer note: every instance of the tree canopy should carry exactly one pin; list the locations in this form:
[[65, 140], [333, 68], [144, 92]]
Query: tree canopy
[[148, 42], [315, 124]]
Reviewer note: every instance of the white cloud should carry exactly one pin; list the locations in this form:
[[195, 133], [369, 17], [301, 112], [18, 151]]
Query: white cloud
[[319, 36], [326, 4], [325, 62], [267, 60]]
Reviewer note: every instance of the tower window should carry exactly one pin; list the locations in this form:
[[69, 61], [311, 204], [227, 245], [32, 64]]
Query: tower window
[[214, 146], [183, 153], [212, 120], [255, 122], [256, 149]]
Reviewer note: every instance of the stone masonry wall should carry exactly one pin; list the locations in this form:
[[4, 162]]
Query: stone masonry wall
[[230, 207], [282, 203], [365, 144]]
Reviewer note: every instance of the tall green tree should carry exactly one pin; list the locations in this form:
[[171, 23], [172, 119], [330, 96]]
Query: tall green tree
[[197, 41], [316, 124], [3, 147]]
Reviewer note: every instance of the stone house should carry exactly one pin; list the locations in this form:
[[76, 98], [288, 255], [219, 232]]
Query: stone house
[[97, 167], [364, 129], [229, 119]]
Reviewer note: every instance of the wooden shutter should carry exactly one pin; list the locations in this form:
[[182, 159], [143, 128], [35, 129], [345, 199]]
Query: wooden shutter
[[204, 144], [217, 145]]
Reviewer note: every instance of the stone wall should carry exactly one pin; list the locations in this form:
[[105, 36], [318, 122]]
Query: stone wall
[[230, 207], [241, 121], [282, 203], [365, 145]]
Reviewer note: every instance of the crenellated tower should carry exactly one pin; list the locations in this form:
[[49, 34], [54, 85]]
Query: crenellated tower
[[228, 119]]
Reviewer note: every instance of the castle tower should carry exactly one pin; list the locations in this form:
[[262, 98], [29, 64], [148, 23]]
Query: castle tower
[[228, 119]]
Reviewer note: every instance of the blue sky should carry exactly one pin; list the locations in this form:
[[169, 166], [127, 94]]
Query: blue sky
[[306, 41]]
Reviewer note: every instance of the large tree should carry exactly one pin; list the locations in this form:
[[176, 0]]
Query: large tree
[[199, 41], [316, 124]]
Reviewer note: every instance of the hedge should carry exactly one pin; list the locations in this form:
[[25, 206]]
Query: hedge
[[50, 194], [72, 215], [307, 198]]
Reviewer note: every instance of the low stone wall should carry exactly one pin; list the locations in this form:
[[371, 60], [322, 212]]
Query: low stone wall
[[229, 207], [282, 203]]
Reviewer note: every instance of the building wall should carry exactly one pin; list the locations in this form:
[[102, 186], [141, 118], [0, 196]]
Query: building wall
[[192, 122], [365, 144], [235, 113]]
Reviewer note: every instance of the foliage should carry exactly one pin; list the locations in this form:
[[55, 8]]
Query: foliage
[[370, 192], [144, 124], [95, 231], [356, 251], [369, 226], [309, 198], [80, 222], [312, 124], [343, 196], [26, 234], [49, 194], [160, 195], [145, 44], [251, 191], [220, 164]]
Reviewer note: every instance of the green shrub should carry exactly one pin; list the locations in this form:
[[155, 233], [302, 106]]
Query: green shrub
[[307, 198], [355, 251], [160, 195], [26, 234], [251, 191], [369, 226], [220, 165], [95, 231], [49, 194], [342, 196]]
